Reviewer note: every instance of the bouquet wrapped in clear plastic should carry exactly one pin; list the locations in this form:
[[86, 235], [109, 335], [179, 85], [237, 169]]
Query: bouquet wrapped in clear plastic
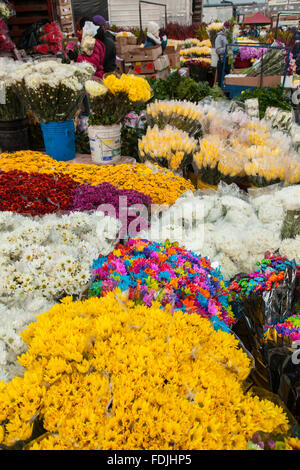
[[168, 147], [183, 115]]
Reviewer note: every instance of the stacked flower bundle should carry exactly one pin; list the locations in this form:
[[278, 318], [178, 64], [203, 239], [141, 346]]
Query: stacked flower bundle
[[52, 90], [112, 99], [183, 115], [169, 392], [162, 185], [168, 147], [35, 193], [239, 148], [50, 39], [172, 275], [199, 55]]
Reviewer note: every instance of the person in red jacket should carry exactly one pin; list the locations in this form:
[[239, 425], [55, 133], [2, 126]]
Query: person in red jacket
[[93, 50]]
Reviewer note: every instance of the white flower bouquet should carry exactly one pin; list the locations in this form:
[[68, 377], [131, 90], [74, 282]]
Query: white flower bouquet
[[12, 106], [6, 10], [53, 91]]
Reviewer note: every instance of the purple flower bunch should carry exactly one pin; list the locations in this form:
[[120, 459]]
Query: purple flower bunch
[[116, 202], [247, 53]]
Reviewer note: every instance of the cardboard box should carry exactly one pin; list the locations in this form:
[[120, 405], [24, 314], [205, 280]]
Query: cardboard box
[[64, 9], [148, 67], [174, 60], [157, 75], [272, 81], [66, 20], [161, 63], [120, 66], [137, 54]]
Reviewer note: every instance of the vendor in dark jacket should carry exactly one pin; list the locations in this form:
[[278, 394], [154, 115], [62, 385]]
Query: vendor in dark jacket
[[110, 48]]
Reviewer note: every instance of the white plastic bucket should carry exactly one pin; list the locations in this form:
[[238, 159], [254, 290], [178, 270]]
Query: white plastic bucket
[[105, 143], [214, 57]]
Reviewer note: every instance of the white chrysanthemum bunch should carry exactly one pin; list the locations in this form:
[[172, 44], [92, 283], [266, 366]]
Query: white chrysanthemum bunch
[[52, 90], [50, 257], [41, 261]]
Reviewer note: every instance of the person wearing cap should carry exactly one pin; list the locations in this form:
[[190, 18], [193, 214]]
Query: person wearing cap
[[153, 37], [109, 64], [220, 46]]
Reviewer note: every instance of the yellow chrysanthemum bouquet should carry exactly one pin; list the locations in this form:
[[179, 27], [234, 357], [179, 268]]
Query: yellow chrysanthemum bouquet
[[112, 99], [169, 147], [94, 383], [183, 115]]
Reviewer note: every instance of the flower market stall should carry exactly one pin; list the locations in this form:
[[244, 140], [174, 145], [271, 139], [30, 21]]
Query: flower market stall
[[149, 294]]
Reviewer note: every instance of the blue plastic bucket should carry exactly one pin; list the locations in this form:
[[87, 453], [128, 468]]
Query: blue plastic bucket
[[59, 140]]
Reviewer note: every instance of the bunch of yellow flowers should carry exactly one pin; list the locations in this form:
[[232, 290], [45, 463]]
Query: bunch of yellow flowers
[[168, 147], [103, 374], [137, 88], [162, 185]]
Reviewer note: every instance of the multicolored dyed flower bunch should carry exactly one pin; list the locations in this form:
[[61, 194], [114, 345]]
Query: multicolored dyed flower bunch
[[104, 374], [271, 272], [290, 328], [167, 273], [35, 193], [107, 197], [162, 185]]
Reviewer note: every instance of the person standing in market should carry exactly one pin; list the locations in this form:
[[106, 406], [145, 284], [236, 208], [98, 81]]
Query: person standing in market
[[220, 46], [153, 37], [92, 46], [109, 64]]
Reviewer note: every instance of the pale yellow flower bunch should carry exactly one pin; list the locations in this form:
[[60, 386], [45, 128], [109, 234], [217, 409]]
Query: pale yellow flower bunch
[[196, 51], [215, 26], [96, 384], [211, 150], [168, 146], [185, 109], [95, 89]]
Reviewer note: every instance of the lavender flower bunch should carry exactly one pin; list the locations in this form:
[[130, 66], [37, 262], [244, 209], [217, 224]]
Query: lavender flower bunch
[[93, 198]]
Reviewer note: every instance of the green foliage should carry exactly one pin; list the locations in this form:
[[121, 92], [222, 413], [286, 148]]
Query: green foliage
[[275, 97], [129, 141], [82, 142], [176, 87]]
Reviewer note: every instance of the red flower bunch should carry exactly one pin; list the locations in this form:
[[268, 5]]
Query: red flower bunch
[[35, 193], [51, 39], [6, 44]]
